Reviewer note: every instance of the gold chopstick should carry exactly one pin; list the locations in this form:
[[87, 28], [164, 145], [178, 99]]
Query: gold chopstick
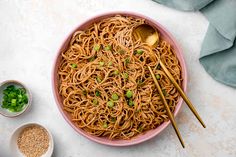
[[167, 108], [188, 102]]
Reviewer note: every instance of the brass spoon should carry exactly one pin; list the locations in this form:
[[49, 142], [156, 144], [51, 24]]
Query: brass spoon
[[147, 34], [150, 36]]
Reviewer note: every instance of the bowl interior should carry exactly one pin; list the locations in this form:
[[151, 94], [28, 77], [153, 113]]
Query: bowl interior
[[17, 84], [15, 135], [142, 137]]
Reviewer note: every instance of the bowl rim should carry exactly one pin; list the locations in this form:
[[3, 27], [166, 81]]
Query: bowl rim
[[29, 98], [160, 128], [24, 125]]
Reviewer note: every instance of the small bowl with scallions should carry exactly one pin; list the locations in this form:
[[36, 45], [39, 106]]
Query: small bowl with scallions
[[15, 98]]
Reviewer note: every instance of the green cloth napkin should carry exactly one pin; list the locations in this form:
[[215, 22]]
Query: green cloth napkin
[[218, 53]]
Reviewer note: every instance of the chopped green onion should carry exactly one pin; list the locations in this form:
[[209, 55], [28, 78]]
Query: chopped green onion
[[129, 94], [127, 60], [20, 97], [164, 92], [99, 80], [158, 76], [105, 125], [22, 90], [101, 63], [131, 103], [14, 99], [116, 72], [91, 59], [96, 47], [110, 63], [139, 51], [97, 93], [121, 51], [114, 96], [126, 75], [137, 111], [95, 101], [140, 129], [74, 65], [110, 104], [13, 102], [108, 47]]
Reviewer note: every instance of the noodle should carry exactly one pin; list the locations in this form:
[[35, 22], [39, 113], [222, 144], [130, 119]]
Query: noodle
[[105, 84]]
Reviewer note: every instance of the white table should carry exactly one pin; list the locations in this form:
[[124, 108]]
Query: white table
[[30, 35]]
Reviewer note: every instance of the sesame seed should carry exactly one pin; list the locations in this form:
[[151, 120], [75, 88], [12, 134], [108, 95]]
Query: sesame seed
[[33, 141]]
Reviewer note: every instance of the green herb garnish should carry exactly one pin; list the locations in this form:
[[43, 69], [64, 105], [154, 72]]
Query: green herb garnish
[[110, 104], [95, 101], [96, 47], [114, 96], [116, 72], [140, 129], [74, 65], [164, 92], [14, 99], [121, 51], [110, 63], [108, 47], [131, 103], [127, 61], [137, 111], [105, 125], [126, 75], [129, 94], [158, 76], [92, 59], [99, 80], [101, 63], [139, 51], [97, 93]]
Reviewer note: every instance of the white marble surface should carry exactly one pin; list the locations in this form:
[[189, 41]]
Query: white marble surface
[[31, 32]]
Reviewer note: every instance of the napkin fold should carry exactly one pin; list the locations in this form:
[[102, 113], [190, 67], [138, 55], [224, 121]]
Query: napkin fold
[[185, 5], [218, 52]]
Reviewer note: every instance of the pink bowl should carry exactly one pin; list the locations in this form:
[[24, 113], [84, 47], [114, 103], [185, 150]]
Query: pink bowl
[[142, 137]]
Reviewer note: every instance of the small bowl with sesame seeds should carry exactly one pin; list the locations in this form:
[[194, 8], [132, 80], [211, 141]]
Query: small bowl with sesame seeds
[[31, 140]]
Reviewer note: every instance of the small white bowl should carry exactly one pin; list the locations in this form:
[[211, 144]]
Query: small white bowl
[[13, 141], [3, 86]]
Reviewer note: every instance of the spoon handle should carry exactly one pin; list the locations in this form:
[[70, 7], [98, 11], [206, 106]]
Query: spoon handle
[[186, 99], [167, 108]]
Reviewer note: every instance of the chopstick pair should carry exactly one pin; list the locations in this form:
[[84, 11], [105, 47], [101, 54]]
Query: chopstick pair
[[185, 98]]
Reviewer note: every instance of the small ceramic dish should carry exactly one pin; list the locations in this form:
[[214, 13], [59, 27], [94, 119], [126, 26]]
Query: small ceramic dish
[[4, 85], [13, 141]]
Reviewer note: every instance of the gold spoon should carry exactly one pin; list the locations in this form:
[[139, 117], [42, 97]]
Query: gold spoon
[[150, 36], [147, 34]]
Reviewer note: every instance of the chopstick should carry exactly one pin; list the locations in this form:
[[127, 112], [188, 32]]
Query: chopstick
[[188, 102], [167, 108]]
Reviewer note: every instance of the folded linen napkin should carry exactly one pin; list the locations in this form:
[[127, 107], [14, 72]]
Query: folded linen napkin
[[218, 52]]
